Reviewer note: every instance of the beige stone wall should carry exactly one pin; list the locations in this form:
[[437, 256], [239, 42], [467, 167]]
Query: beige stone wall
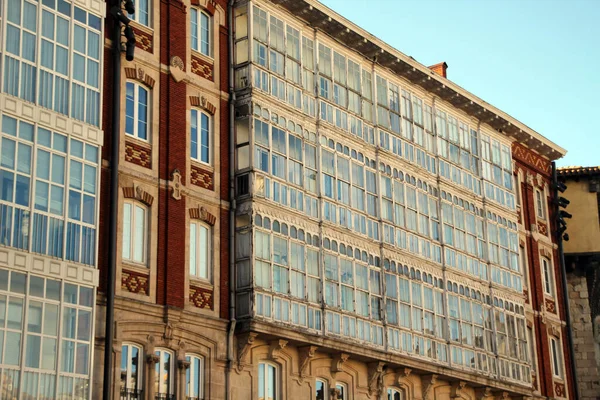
[[299, 367], [586, 355], [583, 228], [181, 332]]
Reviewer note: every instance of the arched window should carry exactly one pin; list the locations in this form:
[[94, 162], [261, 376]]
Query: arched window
[[200, 245], [342, 391], [267, 381], [394, 394], [194, 378], [321, 390], [164, 387], [201, 32], [201, 126], [137, 100], [547, 276], [142, 12], [131, 372], [135, 226]]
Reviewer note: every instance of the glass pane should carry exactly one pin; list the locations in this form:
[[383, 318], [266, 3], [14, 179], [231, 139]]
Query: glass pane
[[49, 353]]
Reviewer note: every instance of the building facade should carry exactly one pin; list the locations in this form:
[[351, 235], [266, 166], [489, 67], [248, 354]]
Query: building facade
[[387, 244], [171, 292], [582, 257], [50, 144]]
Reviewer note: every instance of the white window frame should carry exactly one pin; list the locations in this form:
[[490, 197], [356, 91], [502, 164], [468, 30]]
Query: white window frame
[[556, 354], [343, 390], [136, 111], [191, 371], [138, 390], [391, 391], [197, 247], [540, 206], [325, 388], [197, 21], [547, 276], [133, 238], [265, 383], [159, 388], [136, 17], [199, 113]]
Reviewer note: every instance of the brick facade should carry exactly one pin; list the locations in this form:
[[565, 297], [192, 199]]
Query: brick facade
[[546, 314], [177, 313]]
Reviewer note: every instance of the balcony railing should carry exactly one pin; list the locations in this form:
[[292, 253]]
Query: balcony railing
[[163, 396], [132, 394]]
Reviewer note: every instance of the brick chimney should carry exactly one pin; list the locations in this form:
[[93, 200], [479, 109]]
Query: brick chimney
[[440, 69]]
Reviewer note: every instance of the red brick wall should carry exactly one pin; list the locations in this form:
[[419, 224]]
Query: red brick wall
[[171, 147], [532, 163]]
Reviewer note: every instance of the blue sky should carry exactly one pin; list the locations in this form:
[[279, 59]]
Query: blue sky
[[537, 60]]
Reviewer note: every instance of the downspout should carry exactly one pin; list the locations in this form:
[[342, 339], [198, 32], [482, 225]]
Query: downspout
[[232, 205], [563, 273], [113, 213]]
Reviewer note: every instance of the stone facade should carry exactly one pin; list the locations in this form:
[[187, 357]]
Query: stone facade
[[587, 353]]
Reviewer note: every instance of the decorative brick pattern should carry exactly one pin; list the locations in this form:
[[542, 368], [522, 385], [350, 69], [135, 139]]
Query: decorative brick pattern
[[210, 6], [202, 68], [559, 389], [134, 282], [201, 298], [143, 40], [542, 228], [201, 102], [139, 75], [550, 306], [203, 215], [138, 193], [530, 158], [203, 178], [138, 154]]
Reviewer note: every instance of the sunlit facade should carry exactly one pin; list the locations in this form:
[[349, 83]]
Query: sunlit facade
[[49, 172], [372, 212]]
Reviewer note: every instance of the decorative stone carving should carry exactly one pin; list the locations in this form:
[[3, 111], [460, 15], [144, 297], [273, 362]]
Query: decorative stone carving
[[138, 193], [375, 375], [337, 362], [483, 393], [334, 394], [529, 179], [307, 353], [183, 364], [539, 180], [176, 184], [456, 389], [276, 347], [244, 345], [177, 69], [152, 359], [428, 382], [407, 372], [168, 333], [202, 214]]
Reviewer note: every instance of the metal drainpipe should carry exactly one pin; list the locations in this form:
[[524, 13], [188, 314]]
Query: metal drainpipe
[[232, 205], [113, 213], [563, 272]]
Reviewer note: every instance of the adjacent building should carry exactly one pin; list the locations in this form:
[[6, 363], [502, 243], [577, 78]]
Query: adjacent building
[[394, 232], [50, 145], [304, 212], [171, 297], [582, 254]]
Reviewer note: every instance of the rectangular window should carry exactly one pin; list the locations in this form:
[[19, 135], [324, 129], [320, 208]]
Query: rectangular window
[[555, 349], [547, 276], [199, 250], [200, 136]]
